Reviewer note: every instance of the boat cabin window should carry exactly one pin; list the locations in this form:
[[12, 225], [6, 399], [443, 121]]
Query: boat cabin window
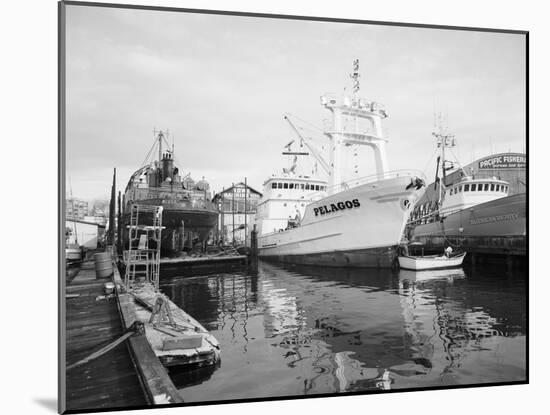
[[302, 186], [291, 186], [279, 185], [285, 185], [460, 188], [316, 187], [505, 188], [492, 187], [480, 187], [486, 187], [273, 185], [466, 187], [307, 186], [498, 187]]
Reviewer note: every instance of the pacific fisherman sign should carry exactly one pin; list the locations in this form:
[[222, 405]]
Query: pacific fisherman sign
[[510, 161], [333, 207]]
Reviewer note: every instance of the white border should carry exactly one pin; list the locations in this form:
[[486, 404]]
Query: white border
[[29, 242]]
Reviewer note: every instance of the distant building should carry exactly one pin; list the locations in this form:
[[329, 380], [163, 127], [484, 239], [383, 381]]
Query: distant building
[[87, 234], [234, 215], [76, 208]]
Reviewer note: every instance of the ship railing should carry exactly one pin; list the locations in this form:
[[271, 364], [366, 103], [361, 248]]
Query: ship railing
[[373, 178]]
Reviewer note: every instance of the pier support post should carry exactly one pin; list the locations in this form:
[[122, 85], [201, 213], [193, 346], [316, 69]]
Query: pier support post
[[253, 262]]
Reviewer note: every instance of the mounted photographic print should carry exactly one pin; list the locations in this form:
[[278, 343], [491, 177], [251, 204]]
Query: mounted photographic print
[[260, 207]]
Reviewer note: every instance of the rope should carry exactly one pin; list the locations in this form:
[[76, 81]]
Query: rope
[[305, 122], [149, 153], [135, 328]]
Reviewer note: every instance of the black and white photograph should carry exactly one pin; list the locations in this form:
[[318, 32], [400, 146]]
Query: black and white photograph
[[263, 206]]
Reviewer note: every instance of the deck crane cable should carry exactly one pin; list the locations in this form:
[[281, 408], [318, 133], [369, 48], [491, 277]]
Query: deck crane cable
[[145, 161], [456, 158], [288, 114]]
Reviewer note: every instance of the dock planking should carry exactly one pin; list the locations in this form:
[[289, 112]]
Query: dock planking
[[111, 381]]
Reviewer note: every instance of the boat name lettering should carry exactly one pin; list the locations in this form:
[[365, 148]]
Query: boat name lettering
[[497, 218], [503, 162], [333, 207]]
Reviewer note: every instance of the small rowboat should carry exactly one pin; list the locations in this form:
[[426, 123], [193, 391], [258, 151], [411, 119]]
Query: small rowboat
[[419, 263]]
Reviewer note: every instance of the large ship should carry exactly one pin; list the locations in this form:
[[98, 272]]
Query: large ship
[[330, 221], [475, 211], [188, 213]]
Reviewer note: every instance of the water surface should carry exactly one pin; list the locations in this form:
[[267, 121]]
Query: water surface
[[307, 330]]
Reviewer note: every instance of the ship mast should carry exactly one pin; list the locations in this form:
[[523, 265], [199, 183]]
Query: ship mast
[[160, 144], [342, 134], [443, 141]]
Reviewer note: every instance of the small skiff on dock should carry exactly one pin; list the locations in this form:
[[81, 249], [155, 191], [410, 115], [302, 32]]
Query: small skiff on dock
[[419, 263], [184, 341]]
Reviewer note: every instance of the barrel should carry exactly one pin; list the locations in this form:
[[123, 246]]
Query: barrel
[[103, 265]]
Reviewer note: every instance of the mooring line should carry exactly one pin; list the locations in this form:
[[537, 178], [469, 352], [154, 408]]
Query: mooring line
[[135, 328]]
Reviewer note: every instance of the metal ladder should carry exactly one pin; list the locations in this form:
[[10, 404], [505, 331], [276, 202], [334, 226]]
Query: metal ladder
[[142, 259]]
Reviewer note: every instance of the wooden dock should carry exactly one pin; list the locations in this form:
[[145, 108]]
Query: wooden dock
[[110, 381], [192, 266]]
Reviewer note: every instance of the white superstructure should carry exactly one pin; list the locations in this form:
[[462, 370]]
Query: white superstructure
[[339, 222]]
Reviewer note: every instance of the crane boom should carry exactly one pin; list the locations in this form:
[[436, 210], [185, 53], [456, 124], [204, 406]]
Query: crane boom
[[316, 153]]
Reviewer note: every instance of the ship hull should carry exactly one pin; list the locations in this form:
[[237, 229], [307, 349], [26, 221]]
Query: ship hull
[[184, 229], [365, 233], [382, 257], [498, 227]]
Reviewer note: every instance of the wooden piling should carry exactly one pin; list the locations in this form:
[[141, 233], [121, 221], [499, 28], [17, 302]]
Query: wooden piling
[[253, 262]]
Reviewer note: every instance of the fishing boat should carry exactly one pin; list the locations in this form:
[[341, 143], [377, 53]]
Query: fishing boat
[[325, 218], [467, 211], [188, 213], [430, 262]]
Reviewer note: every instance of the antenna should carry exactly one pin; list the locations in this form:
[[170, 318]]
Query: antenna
[[355, 76]]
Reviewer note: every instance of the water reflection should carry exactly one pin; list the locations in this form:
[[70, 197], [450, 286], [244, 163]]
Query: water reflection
[[307, 330]]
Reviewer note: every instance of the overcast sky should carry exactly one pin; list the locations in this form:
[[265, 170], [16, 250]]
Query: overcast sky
[[221, 85]]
